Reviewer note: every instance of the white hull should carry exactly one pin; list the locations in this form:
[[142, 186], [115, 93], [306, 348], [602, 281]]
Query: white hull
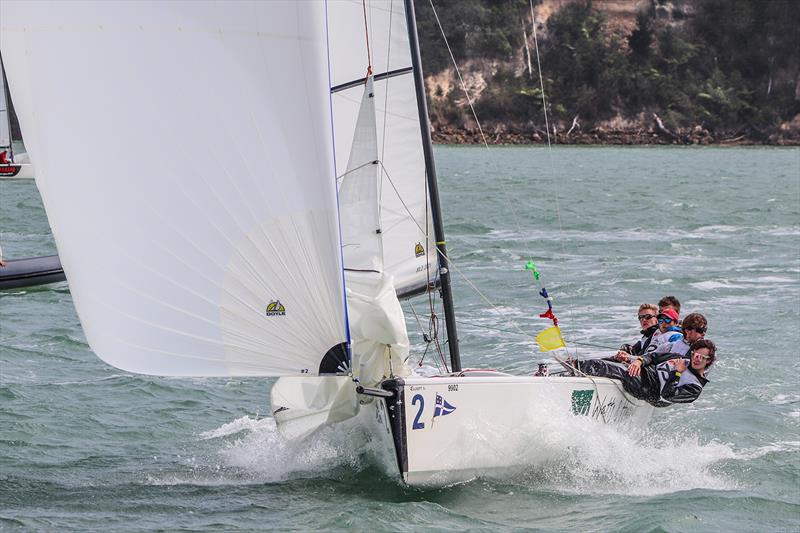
[[484, 421]]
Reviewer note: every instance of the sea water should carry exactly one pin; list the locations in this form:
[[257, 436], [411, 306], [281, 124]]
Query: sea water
[[84, 446]]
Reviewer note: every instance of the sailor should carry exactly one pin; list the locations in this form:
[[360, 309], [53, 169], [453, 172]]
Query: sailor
[[694, 328], [675, 380], [668, 328], [669, 302], [649, 325]]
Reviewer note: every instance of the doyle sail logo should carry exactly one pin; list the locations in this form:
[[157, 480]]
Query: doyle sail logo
[[581, 401], [419, 251], [442, 407], [276, 308]]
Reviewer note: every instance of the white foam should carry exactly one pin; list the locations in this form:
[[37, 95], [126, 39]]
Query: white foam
[[244, 423], [774, 447], [586, 456], [711, 285], [268, 457], [783, 399]]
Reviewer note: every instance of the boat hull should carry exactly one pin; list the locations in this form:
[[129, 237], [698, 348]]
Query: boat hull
[[31, 271], [17, 171], [444, 430]]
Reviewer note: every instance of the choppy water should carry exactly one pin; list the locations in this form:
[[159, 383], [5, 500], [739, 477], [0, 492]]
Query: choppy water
[[84, 446]]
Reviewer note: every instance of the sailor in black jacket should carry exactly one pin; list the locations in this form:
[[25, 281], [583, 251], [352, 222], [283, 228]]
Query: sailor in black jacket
[[675, 380], [649, 325]]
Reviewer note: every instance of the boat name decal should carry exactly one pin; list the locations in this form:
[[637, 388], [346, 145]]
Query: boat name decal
[[608, 409], [276, 308]]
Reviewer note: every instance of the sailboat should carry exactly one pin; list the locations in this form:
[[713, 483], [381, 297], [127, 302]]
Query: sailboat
[[29, 271], [12, 165], [274, 234]]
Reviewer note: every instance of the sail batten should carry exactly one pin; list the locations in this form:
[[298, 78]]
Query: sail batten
[[377, 77]]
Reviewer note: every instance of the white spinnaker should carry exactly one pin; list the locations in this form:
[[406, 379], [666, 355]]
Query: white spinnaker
[[402, 189], [5, 132], [211, 192]]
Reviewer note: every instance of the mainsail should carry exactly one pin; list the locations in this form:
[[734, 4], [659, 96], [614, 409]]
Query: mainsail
[[204, 239], [5, 114]]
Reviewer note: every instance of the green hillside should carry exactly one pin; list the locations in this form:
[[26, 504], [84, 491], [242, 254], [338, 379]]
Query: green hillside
[[686, 72]]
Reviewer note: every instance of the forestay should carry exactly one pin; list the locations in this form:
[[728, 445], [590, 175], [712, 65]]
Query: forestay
[[404, 214], [203, 239]]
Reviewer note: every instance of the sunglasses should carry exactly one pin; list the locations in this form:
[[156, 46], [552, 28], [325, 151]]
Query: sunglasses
[[665, 321], [705, 357], [698, 330], [646, 317]]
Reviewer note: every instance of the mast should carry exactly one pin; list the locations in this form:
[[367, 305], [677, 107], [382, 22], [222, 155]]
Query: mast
[[430, 171]]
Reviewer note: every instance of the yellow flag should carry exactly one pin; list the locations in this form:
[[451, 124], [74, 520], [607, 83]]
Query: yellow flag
[[550, 339]]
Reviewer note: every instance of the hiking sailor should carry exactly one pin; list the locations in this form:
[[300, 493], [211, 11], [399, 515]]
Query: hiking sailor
[[694, 328], [649, 325], [676, 380]]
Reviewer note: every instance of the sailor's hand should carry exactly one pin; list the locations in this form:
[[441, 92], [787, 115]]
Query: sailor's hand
[[622, 356], [635, 368]]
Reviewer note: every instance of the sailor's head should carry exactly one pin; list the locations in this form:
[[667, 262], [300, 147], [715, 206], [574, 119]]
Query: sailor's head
[[666, 319], [695, 326], [703, 353], [669, 302], [647, 315]]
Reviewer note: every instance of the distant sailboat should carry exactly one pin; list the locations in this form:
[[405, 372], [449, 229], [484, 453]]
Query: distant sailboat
[[29, 271], [12, 165], [289, 255]]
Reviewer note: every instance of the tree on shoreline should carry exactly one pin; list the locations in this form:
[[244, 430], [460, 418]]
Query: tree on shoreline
[[726, 65]]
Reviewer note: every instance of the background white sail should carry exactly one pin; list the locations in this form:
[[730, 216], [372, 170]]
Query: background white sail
[[402, 187], [211, 195], [5, 114]]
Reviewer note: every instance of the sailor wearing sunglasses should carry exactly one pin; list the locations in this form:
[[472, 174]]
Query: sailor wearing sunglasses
[[677, 380], [668, 328], [694, 328], [649, 325]]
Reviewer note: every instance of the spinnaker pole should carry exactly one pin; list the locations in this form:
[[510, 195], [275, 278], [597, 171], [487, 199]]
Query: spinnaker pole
[[433, 191]]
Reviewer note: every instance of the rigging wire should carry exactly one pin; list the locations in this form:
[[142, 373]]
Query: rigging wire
[[513, 210], [385, 107], [486, 145], [366, 35], [433, 324]]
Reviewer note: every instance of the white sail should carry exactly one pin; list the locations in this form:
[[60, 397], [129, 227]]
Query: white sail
[[203, 240], [358, 193], [404, 208], [5, 114]]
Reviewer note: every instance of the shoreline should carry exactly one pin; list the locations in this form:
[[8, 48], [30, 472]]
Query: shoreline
[[696, 136]]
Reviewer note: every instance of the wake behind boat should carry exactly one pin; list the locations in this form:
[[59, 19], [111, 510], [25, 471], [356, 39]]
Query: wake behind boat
[[288, 257]]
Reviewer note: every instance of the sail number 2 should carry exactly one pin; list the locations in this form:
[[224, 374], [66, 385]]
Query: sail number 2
[[418, 399]]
